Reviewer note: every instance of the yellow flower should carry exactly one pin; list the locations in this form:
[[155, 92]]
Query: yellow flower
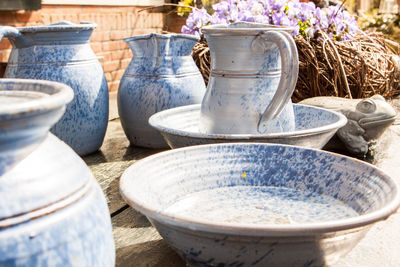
[[184, 11]]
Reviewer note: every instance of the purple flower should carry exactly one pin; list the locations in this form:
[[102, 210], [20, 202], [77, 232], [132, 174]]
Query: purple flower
[[305, 18], [262, 19], [245, 15], [280, 18], [322, 19], [222, 7], [217, 19]]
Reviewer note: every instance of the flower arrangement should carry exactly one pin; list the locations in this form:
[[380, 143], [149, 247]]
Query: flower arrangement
[[305, 17], [336, 58]]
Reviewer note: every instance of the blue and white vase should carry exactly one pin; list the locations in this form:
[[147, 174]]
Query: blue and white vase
[[52, 211], [254, 69], [61, 52], [161, 75]]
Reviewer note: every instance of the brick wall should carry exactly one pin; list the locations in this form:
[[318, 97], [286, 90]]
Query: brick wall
[[114, 24]]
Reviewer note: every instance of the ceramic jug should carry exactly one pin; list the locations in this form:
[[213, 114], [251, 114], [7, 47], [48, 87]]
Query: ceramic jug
[[161, 75], [52, 211], [61, 52], [254, 70]]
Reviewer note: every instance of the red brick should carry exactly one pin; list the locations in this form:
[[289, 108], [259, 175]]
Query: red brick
[[105, 22], [124, 22], [96, 47], [119, 21], [72, 17], [54, 18], [4, 54], [157, 20], [139, 21], [118, 35], [111, 66], [117, 75], [46, 19], [142, 31], [124, 45], [5, 44], [108, 76], [107, 56], [98, 36], [84, 17], [121, 54], [113, 86], [111, 45], [29, 16], [129, 21], [110, 21], [125, 63]]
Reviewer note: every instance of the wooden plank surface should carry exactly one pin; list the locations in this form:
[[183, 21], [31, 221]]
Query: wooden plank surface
[[139, 244], [114, 157]]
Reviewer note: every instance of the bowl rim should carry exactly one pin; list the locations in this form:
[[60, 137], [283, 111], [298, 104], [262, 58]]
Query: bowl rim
[[58, 95], [156, 122], [259, 229]]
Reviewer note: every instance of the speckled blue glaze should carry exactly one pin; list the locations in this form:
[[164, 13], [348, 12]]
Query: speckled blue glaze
[[52, 211], [156, 183], [161, 75], [254, 69], [61, 52], [313, 128]]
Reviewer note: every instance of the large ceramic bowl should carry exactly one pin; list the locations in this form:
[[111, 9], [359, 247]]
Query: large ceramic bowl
[[257, 204], [314, 127]]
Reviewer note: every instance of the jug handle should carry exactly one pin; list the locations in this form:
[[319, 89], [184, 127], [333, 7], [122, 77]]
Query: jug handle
[[9, 32], [287, 83]]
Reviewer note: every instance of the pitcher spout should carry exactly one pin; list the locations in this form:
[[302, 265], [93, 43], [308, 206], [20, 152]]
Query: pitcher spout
[[155, 44]]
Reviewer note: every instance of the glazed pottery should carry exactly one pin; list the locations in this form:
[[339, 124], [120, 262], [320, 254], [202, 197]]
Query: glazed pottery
[[257, 204], [314, 127], [61, 52], [254, 70], [52, 211], [161, 75]]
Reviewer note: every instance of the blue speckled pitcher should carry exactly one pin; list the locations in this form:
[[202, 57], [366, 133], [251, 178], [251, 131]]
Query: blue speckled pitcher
[[161, 75], [61, 52], [254, 70]]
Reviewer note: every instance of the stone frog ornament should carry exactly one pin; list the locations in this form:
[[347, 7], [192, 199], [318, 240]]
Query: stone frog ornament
[[367, 119]]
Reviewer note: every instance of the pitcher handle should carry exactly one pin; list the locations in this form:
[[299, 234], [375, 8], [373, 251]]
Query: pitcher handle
[[9, 32], [289, 73]]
